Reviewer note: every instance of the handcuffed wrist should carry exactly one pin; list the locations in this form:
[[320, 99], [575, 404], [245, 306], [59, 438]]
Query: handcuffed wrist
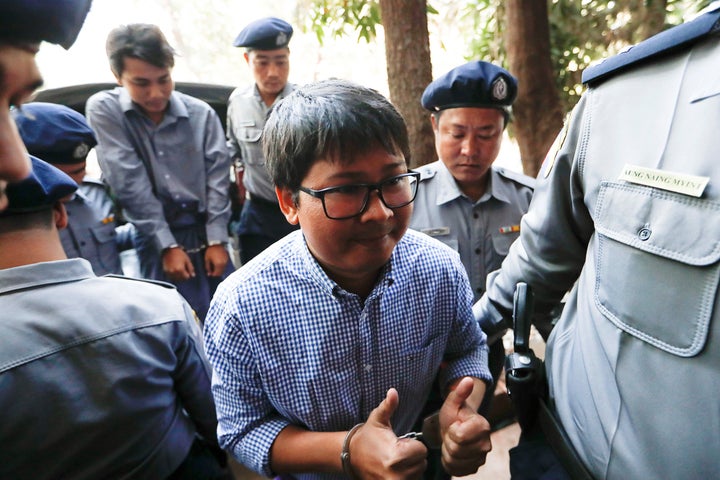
[[174, 245], [345, 455]]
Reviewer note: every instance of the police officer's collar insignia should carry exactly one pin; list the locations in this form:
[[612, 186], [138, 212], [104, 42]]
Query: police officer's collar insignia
[[81, 151], [281, 39], [499, 89]]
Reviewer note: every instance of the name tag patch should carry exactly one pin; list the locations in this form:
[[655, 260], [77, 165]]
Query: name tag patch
[[685, 184], [437, 231]]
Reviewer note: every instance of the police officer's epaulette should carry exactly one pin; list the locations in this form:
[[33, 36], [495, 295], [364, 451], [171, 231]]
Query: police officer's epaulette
[[145, 280], [516, 177], [426, 172], [664, 43]]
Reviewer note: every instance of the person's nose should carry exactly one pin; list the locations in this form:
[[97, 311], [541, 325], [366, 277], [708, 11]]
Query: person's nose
[[470, 146], [14, 159], [156, 91], [376, 208], [273, 70]]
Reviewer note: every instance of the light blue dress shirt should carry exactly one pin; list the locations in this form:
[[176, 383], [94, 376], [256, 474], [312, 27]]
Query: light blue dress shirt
[[153, 169]]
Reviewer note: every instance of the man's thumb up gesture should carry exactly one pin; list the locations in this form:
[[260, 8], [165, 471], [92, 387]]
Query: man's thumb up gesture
[[465, 433], [377, 453]]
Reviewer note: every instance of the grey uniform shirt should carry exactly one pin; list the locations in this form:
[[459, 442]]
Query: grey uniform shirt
[[99, 377], [152, 169], [481, 232], [246, 117], [634, 361]]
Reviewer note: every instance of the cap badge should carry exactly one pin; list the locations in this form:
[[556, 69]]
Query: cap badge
[[81, 151], [281, 39], [499, 89]]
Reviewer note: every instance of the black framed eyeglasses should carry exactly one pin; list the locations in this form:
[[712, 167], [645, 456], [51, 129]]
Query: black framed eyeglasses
[[347, 201]]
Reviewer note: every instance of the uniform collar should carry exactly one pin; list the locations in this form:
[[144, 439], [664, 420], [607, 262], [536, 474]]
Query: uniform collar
[[448, 189], [43, 274], [287, 90]]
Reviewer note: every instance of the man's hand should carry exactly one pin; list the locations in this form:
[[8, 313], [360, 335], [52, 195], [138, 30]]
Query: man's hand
[[465, 433], [177, 265], [377, 453], [216, 259]]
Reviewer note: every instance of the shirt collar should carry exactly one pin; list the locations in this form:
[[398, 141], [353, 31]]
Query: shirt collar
[[287, 90], [43, 274], [316, 272], [448, 189], [176, 108]]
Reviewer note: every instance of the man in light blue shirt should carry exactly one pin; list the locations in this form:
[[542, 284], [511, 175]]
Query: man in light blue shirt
[[348, 321], [163, 153]]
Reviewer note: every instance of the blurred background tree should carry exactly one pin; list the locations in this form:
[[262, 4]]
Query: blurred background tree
[[545, 43]]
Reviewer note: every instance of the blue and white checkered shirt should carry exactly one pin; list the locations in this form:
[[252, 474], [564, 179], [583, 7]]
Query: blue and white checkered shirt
[[289, 346]]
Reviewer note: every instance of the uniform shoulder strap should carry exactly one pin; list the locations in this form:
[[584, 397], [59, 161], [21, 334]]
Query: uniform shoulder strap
[[672, 40]]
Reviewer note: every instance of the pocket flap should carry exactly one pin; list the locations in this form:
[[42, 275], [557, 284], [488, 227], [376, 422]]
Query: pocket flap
[[668, 224], [104, 233]]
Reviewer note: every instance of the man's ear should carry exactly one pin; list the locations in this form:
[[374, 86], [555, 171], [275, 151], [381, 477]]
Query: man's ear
[[434, 122], [287, 204], [60, 215], [247, 57]]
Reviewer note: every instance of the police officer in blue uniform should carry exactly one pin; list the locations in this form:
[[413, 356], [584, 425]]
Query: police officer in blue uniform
[[61, 136], [23, 26], [115, 364], [626, 214], [268, 56], [463, 200]]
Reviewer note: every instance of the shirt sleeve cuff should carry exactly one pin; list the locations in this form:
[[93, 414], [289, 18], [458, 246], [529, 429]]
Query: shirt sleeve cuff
[[164, 238]]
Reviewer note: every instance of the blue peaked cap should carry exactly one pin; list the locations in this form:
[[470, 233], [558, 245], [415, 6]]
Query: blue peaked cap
[[54, 21], [474, 84], [269, 33], [55, 133], [45, 186]]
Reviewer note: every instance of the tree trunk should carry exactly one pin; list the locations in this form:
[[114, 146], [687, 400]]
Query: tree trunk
[[409, 70], [537, 109]]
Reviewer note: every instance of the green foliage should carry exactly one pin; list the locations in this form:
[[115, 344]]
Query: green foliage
[[336, 17], [581, 32]]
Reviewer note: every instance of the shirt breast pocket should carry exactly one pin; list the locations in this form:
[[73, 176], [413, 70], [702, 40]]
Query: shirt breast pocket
[[658, 265], [445, 235], [249, 136], [502, 241], [104, 233]]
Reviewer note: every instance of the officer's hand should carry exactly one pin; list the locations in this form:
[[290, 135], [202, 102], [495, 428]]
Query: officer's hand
[[216, 259], [377, 453], [177, 265], [465, 433]]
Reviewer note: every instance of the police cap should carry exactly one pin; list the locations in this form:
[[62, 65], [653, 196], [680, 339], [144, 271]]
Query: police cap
[[54, 21], [55, 133], [269, 33], [45, 186], [474, 84]]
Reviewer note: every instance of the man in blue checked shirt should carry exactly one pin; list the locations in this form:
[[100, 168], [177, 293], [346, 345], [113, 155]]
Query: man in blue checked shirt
[[325, 346]]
